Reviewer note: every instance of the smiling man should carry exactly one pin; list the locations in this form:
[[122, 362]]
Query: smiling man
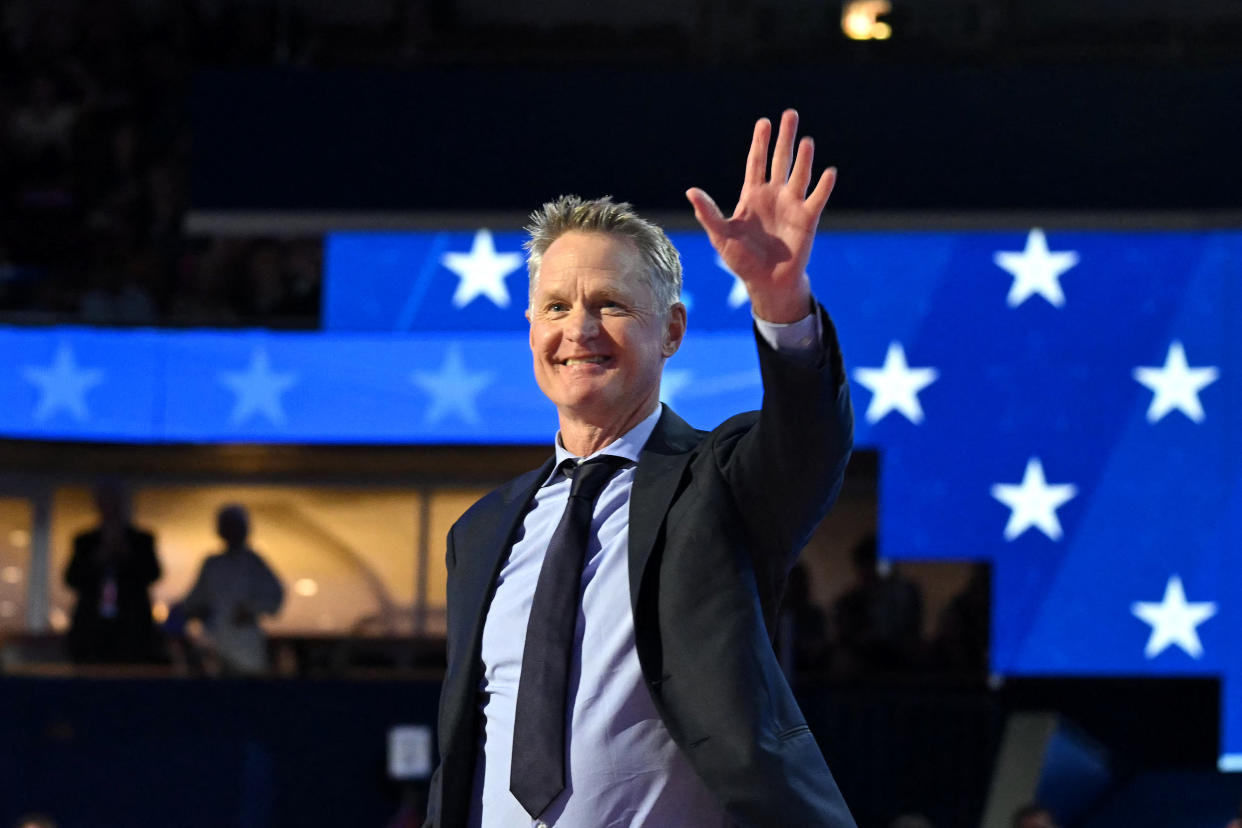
[[611, 613]]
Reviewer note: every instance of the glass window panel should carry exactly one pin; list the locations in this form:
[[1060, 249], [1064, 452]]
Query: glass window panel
[[15, 527], [347, 557]]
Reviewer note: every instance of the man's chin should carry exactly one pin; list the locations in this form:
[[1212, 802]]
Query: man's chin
[[587, 408]]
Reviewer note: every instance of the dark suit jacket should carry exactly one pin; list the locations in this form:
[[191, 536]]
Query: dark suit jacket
[[129, 635], [716, 521]]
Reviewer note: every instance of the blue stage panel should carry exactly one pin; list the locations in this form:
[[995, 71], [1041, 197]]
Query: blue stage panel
[[1063, 404]]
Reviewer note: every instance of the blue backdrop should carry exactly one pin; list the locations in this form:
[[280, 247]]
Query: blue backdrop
[[1062, 404]]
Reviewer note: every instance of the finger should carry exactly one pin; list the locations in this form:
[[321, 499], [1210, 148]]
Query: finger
[[708, 214], [757, 160], [783, 154], [800, 178], [819, 196]]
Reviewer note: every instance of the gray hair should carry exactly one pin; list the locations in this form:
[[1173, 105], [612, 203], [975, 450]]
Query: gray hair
[[603, 215]]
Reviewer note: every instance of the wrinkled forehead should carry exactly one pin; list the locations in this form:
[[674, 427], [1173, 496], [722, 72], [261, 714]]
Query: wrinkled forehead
[[594, 250], [596, 257]]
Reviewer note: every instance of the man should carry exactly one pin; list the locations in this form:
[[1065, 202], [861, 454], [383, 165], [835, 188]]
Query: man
[[674, 710], [233, 589], [880, 620], [112, 569]]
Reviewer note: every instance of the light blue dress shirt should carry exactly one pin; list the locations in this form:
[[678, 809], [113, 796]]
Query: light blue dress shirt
[[623, 768]]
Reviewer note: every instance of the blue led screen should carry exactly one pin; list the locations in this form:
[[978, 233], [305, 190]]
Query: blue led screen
[[1062, 404]]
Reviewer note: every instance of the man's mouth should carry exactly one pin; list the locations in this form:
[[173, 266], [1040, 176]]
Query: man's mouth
[[591, 360]]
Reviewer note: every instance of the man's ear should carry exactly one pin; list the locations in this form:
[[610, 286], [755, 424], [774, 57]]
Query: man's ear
[[674, 329]]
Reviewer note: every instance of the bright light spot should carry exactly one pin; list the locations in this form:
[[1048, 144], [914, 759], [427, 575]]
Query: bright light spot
[[306, 587], [7, 609], [11, 574], [159, 611], [59, 619], [19, 538], [1229, 763], [860, 19]]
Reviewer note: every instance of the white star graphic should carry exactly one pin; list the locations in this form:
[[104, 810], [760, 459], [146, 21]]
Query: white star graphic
[[258, 389], [1174, 620], [895, 386], [62, 385], [738, 295], [1176, 385], [1033, 502], [452, 388], [1036, 270], [672, 383], [482, 271]]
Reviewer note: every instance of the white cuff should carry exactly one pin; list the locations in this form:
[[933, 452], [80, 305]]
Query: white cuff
[[797, 339]]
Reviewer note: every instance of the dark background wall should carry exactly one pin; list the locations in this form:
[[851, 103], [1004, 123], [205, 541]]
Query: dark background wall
[[124, 752], [117, 753], [191, 753], [918, 137]]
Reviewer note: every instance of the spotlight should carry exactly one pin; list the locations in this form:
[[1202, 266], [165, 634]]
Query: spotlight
[[860, 19]]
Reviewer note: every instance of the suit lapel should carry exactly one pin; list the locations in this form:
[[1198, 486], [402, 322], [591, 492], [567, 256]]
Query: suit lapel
[[490, 546], [660, 466]]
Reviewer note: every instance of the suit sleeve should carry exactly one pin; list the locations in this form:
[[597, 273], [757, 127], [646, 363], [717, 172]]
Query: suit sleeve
[[786, 470], [433, 800]]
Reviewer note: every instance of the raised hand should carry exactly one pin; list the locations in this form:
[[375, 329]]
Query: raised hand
[[767, 241]]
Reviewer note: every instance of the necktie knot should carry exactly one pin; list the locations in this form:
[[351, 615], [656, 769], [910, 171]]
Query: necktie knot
[[589, 478]]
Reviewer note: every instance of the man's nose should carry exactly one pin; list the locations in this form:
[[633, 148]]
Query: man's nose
[[582, 324]]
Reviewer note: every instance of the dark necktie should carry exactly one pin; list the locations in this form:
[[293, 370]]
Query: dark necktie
[[537, 770]]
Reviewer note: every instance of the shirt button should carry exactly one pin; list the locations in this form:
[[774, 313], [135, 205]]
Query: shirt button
[[541, 824]]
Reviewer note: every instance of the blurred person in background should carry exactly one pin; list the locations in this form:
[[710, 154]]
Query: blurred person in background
[[112, 569], [234, 588], [1034, 815], [964, 627], [879, 622], [44, 122], [1236, 822], [35, 821], [911, 821]]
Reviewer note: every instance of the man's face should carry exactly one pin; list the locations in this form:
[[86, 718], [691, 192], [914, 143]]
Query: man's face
[[598, 339]]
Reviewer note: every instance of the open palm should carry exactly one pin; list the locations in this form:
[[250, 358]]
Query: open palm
[[767, 241]]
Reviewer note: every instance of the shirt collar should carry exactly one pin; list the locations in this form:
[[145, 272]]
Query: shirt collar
[[628, 445]]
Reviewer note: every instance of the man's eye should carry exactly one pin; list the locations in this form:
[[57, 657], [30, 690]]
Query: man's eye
[[558, 307]]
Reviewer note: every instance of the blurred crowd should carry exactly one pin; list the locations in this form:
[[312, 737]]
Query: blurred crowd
[[876, 628], [94, 160]]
